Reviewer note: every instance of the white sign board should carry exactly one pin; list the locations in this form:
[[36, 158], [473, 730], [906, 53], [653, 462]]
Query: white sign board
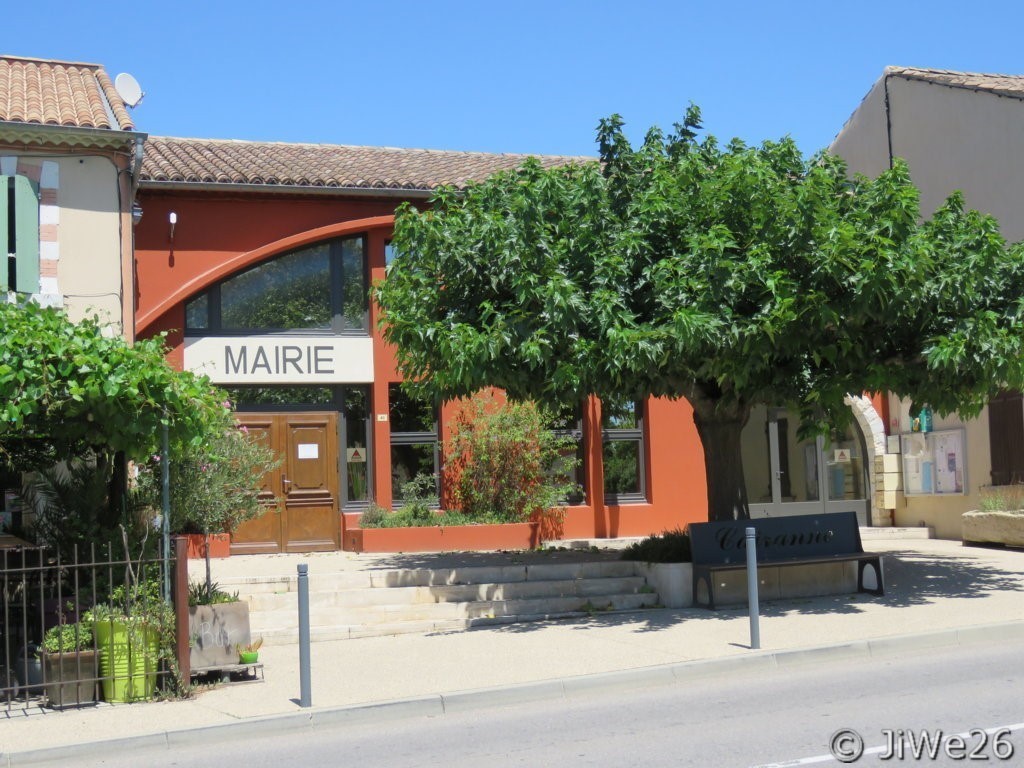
[[309, 450], [355, 455], [842, 455], [281, 359]]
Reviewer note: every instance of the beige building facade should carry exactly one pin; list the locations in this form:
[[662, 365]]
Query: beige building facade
[[69, 161], [957, 131]]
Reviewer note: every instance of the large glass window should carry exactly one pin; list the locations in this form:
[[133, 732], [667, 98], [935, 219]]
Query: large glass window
[[568, 425], [319, 288], [623, 452], [250, 398], [413, 440]]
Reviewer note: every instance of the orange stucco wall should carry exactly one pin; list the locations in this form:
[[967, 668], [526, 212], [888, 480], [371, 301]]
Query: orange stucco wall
[[216, 235]]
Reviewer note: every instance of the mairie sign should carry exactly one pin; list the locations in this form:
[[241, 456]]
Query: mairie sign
[[281, 359]]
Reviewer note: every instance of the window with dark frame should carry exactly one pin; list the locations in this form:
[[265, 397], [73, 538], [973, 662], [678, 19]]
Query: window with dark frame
[[414, 445], [320, 288], [568, 425], [623, 452]]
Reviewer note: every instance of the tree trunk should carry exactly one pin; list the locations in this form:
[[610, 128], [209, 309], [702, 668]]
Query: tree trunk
[[209, 578], [723, 464]]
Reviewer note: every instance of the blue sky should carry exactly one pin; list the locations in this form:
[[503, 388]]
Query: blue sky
[[509, 76]]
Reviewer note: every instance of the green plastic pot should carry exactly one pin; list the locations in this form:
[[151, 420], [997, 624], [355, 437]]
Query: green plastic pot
[[128, 660], [248, 657]]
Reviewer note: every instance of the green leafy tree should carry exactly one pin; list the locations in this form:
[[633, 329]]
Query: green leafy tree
[[729, 275], [70, 390]]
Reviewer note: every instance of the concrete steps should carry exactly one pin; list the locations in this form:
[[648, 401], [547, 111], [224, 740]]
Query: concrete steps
[[392, 601]]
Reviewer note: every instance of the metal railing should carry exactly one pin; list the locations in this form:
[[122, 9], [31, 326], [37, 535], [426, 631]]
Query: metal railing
[[79, 626]]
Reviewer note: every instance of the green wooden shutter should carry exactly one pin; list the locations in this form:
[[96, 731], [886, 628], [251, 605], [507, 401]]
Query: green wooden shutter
[[26, 235], [3, 231]]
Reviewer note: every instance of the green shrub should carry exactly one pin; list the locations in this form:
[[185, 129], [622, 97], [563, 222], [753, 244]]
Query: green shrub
[[373, 517], [668, 547], [1002, 498], [504, 463], [68, 638], [200, 594]]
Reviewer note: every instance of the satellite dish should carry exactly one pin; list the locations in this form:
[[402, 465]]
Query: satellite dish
[[128, 89]]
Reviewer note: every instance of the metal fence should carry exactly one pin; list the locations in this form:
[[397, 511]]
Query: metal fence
[[82, 626]]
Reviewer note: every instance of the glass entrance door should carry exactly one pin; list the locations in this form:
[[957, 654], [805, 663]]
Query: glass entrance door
[[786, 475]]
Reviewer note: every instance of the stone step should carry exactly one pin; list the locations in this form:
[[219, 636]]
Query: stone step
[[454, 593], [879, 533], [432, 577], [391, 614], [289, 633]]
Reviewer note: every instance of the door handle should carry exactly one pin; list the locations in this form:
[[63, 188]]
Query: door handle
[[285, 482]]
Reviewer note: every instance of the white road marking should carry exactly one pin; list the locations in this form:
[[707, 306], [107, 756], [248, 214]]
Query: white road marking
[[876, 750]]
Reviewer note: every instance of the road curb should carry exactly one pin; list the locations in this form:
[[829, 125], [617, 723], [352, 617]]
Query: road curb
[[436, 705]]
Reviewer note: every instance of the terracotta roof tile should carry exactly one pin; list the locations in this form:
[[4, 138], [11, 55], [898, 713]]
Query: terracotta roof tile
[[60, 93], [1008, 85], [217, 161]]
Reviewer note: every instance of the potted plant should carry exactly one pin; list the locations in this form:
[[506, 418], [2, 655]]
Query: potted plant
[[218, 624], [665, 560], [132, 633], [250, 652], [69, 665]]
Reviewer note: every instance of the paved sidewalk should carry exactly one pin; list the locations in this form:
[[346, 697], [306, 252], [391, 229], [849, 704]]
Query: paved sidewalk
[[937, 593]]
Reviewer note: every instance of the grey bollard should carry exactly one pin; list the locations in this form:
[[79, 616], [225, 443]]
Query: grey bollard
[[755, 630], [305, 695]]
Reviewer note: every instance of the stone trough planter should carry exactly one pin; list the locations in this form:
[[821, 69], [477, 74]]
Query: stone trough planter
[[672, 581], [1006, 528]]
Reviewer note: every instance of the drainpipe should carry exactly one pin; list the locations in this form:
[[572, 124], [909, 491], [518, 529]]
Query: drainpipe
[[137, 163], [128, 275], [888, 118]]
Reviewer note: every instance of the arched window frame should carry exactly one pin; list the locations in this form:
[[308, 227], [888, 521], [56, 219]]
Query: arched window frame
[[203, 312]]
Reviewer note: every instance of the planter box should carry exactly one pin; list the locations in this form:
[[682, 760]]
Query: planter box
[[1005, 528], [70, 678], [214, 633], [672, 581], [129, 656], [220, 545], [453, 538]]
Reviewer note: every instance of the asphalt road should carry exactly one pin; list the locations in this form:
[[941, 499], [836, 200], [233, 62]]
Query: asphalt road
[[785, 717]]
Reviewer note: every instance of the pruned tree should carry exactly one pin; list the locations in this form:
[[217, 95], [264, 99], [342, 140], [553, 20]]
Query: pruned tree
[[729, 275], [75, 391]]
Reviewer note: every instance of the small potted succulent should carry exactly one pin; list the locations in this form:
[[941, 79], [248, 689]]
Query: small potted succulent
[[250, 652]]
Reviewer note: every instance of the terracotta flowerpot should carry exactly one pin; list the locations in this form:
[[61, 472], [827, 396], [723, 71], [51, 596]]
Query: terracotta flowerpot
[[220, 545]]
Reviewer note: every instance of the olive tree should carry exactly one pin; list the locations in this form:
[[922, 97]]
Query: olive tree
[[729, 275]]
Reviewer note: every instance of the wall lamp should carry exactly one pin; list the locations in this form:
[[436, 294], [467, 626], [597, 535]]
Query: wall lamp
[[173, 219]]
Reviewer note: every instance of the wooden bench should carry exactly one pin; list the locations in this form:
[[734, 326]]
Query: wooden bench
[[781, 541]]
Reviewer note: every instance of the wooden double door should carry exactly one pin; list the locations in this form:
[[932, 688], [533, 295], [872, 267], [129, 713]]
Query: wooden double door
[[301, 495]]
